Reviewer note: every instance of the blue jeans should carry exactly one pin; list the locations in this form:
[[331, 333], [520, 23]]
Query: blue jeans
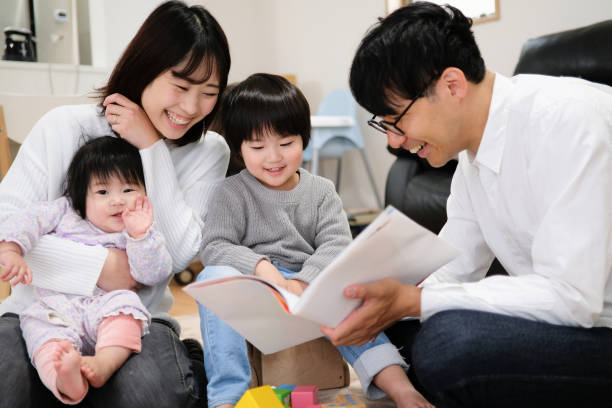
[[227, 363], [464, 358], [162, 375]]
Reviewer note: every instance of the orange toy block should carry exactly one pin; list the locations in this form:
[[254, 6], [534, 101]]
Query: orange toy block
[[260, 397]]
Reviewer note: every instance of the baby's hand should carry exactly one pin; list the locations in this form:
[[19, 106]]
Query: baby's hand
[[139, 219], [12, 265], [296, 287]]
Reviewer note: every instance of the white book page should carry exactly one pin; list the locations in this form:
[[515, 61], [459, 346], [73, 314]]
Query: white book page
[[249, 306], [393, 246]]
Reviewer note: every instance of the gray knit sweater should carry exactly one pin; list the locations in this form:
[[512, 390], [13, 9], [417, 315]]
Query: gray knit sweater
[[302, 229]]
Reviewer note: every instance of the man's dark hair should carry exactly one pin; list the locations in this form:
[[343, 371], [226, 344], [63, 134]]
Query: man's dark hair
[[260, 103], [101, 158], [173, 33], [407, 51]]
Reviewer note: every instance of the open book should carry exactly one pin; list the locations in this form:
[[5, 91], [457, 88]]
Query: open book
[[272, 319]]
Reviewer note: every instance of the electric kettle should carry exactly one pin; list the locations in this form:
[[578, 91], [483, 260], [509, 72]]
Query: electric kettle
[[19, 45]]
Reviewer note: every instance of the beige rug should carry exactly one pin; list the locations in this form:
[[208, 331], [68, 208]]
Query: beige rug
[[191, 329]]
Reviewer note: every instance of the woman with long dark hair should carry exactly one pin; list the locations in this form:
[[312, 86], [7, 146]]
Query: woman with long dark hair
[[160, 97]]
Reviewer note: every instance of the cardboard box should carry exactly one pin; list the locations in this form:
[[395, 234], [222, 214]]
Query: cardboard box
[[316, 362]]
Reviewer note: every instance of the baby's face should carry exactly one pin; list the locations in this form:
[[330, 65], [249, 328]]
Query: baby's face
[[106, 201]]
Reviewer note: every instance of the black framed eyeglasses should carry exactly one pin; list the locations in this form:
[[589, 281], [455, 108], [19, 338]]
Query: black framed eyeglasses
[[386, 126]]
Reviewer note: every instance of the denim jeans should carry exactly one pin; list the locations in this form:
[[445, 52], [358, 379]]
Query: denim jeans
[[162, 375], [464, 358], [227, 363]]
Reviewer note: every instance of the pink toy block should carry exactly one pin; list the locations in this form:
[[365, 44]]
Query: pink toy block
[[303, 396]]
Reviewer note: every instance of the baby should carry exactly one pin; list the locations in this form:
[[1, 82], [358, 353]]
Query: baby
[[76, 341]]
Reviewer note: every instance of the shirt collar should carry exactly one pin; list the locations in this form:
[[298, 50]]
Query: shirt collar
[[491, 148]]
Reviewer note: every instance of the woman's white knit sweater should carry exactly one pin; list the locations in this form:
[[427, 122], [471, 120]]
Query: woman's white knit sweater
[[178, 182]]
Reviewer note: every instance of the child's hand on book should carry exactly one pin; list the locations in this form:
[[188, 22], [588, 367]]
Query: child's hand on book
[[296, 287], [139, 219], [12, 265]]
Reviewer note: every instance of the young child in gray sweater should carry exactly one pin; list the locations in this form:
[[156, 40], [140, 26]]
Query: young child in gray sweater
[[277, 221]]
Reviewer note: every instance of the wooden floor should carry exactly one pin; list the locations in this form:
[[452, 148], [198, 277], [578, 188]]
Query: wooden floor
[[183, 303]]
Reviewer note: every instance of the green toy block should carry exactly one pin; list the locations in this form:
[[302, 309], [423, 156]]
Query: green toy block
[[284, 395]]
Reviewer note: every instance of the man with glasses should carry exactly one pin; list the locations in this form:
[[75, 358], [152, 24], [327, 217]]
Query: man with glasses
[[533, 187]]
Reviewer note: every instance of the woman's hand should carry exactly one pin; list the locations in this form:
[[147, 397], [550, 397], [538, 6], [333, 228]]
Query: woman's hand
[[139, 219], [116, 272], [130, 121], [12, 265], [384, 302]]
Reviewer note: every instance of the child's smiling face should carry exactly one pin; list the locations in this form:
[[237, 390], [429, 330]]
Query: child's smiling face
[[274, 159]]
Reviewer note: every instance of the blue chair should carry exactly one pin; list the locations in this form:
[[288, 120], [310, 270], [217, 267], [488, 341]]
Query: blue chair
[[334, 131]]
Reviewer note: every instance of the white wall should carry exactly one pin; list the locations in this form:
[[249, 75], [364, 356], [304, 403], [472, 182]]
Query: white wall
[[316, 40], [249, 26], [313, 39]]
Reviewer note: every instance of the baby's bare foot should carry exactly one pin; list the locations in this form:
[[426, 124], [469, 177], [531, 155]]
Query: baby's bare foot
[[67, 362], [96, 373], [99, 368]]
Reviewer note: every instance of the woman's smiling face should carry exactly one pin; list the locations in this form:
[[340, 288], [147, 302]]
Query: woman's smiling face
[[174, 104]]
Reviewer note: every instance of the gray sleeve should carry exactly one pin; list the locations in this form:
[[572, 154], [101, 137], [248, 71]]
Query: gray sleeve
[[332, 234], [224, 230]]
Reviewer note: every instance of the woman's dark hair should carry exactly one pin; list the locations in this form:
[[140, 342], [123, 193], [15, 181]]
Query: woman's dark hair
[[102, 158], [173, 33], [408, 50], [260, 103]]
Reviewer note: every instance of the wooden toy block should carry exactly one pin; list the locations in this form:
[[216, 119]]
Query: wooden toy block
[[304, 395], [260, 397]]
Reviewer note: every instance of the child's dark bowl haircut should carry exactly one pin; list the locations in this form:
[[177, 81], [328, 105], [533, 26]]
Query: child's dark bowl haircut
[[264, 103]]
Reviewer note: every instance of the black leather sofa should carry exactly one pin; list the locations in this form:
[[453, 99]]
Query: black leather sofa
[[421, 191]]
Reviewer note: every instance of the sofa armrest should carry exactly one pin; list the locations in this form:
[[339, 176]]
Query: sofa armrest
[[401, 172], [419, 190]]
